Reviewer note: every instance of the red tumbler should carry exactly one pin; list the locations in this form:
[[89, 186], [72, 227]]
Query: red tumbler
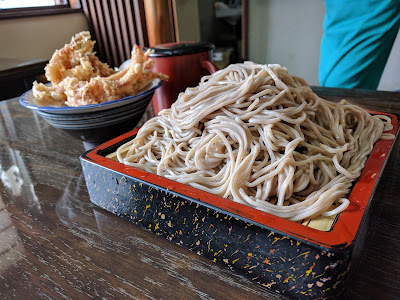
[[185, 63]]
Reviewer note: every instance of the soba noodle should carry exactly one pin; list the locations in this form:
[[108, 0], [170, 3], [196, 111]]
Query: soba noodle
[[252, 133]]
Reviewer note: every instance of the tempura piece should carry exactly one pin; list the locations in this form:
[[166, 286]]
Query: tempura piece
[[53, 95], [124, 83], [78, 60], [78, 77]]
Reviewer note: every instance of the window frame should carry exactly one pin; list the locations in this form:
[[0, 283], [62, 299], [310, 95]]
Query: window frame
[[23, 12]]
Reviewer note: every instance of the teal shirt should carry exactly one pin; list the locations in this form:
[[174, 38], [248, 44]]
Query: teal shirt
[[357, 40]]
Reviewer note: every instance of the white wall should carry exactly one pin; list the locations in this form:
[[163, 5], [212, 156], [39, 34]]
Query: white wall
[[38, 37], [390, 80], [187, 15], [287, 32]]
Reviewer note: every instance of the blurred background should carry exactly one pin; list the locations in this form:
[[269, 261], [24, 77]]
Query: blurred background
[[264, 31]]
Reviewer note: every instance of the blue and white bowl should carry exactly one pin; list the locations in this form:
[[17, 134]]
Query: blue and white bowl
[[96, 123]]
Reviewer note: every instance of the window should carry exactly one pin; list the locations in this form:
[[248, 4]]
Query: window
[[9, 4], [10, 9]]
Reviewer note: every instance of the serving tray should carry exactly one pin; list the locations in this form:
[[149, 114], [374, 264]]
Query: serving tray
[[309, 259]]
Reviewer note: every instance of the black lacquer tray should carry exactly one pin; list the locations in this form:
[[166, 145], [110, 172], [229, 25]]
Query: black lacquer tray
[[296, 259]]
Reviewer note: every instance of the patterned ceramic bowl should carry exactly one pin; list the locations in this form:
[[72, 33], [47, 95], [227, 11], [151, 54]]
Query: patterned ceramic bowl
[[96, 123]]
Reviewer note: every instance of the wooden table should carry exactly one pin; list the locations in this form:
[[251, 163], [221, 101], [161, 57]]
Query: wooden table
[[55, 244]]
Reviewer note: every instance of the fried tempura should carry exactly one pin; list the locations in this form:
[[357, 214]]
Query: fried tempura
[[124, 83], [78, 77], [76, 59]]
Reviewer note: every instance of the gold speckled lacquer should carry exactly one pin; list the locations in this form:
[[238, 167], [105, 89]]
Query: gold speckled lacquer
[[288, 257]]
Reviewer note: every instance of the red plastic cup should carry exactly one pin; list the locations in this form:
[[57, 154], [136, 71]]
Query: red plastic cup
[[185, 63]]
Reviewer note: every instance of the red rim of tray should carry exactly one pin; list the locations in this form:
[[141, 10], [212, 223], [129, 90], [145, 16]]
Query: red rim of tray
[[342, 234]]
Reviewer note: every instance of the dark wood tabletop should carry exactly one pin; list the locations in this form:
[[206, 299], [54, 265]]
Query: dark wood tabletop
[[17, 75], [54, 244]]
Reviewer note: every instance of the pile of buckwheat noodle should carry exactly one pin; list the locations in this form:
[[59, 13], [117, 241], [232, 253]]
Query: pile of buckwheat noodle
[[259, 136]]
